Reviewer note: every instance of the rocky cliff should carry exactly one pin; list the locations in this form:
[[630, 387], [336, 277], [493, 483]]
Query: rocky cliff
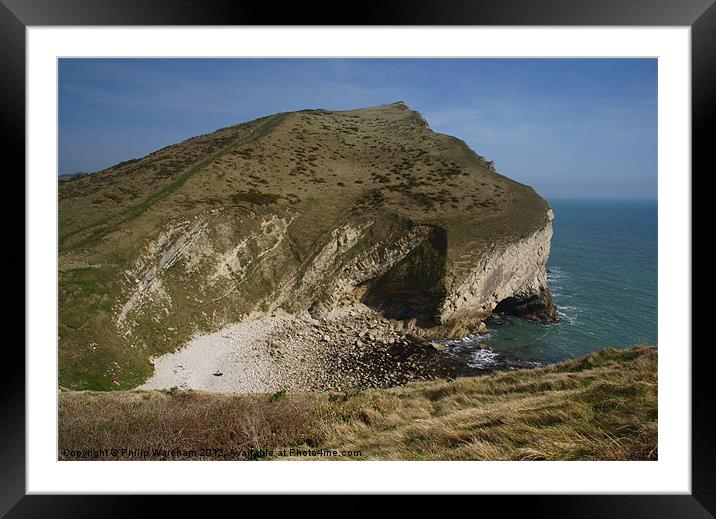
[[512, 279], [302, 212]]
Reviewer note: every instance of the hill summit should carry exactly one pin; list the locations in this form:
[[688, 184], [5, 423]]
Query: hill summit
[[296, 214]]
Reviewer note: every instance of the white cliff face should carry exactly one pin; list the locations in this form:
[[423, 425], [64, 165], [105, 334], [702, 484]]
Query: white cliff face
[[232, 276], [517, 269], [145, 278]]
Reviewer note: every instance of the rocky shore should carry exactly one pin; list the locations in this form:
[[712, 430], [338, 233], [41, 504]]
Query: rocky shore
[[350, 347]]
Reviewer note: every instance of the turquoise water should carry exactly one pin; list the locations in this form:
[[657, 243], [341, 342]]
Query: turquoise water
[[603, 276]]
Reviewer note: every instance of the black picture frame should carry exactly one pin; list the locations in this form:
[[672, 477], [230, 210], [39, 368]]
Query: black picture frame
[[700, 15]]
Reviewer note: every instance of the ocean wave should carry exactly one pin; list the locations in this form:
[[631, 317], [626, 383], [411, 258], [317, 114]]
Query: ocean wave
[[556, 280], [555, 274], [483, 359], [568, 313], [471, 339]]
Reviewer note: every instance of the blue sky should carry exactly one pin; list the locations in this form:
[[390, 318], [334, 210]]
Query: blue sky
[[571, 128]]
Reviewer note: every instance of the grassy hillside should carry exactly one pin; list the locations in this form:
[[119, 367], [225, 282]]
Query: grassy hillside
[[205, 232], [601, 407]]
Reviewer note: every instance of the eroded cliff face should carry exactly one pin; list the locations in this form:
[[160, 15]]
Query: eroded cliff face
[[298, 213], [512, 279], [224, 270]]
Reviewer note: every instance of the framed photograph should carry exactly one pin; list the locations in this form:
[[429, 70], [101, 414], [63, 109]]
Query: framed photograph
[[435, 251]]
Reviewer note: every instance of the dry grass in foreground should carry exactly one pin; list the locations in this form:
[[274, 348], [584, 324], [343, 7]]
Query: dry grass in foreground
[[601, 407]]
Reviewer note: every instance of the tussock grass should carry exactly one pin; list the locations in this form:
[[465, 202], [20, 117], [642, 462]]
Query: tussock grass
[[185, 420], [601, 407]]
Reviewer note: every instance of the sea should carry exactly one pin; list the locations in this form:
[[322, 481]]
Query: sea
[[602, 272]]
